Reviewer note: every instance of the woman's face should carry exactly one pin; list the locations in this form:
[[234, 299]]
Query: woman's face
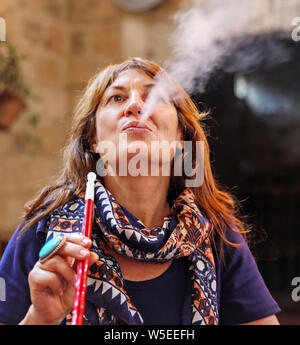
[[120, 110]]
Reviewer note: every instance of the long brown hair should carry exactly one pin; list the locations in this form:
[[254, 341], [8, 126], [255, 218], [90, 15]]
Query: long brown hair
[[219, 205]]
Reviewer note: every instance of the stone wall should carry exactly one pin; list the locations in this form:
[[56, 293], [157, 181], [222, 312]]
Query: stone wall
[[28, 154], [101, 34], [66, 42]]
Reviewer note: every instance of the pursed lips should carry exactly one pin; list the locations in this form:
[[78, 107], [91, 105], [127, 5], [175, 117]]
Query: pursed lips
[[136, 126]]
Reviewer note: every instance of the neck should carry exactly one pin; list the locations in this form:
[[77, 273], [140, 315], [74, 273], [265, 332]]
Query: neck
[[145, 197]]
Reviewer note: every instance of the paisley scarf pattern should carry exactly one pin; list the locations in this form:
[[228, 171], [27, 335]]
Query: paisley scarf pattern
[[184, 233]]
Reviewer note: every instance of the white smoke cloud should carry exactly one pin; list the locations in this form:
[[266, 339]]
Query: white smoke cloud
[[205, 36], [202, 37]]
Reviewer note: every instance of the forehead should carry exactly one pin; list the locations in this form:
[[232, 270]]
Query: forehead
[[131, 78]]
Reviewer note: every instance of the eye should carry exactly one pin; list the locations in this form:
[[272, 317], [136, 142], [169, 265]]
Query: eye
[[115, 98]]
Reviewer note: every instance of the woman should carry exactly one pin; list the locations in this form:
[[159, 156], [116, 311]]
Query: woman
[[161, 252]]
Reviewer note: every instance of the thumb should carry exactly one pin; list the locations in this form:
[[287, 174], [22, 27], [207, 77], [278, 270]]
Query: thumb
[[93, 258]]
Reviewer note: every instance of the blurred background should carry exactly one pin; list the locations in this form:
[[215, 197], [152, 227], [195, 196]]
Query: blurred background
[[50, 48]]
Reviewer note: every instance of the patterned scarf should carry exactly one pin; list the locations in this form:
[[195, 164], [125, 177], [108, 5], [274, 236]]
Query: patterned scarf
[[184, 233]]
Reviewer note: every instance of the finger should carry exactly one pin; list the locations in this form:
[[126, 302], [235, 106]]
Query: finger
[[60, 266], [80, 239], [46, 279], [73, 250], [70, 261], [93, 258]]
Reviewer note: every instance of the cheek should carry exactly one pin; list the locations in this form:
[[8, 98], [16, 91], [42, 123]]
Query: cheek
[[167, 122], [106, 124]]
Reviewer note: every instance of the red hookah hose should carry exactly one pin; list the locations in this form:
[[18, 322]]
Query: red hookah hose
[[83, 266]]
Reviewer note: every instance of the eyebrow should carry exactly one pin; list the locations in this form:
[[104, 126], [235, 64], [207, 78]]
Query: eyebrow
[[123, 88]]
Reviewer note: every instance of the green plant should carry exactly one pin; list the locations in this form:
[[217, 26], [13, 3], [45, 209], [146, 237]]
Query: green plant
[[11, 83], [10, 76]]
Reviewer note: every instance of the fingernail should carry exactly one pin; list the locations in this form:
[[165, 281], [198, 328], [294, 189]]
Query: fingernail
[[84, 252], [85, 241]]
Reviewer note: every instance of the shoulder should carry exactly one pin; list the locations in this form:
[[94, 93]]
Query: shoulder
[[235, 248], [17, 261], [242, 293], [234, 260], [24, 245]]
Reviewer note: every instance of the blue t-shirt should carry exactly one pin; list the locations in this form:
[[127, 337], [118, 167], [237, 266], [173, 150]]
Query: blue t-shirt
[[242, 294], [241, 291], [160, 300]]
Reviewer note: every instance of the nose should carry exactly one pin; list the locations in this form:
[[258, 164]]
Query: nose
[[134, 106]]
